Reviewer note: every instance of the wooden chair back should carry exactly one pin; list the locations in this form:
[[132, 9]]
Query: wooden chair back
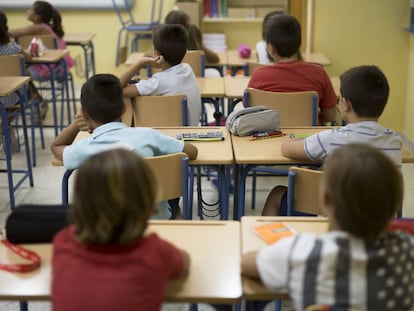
[[296, 109], [169, 170], [303, 190], [196, 59], [48, 40], [252, 66], [165, 110], [128, 115], [12, 65]]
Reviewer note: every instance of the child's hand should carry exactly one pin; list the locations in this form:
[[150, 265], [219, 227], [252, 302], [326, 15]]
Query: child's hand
[[156, 62], [81, 123]]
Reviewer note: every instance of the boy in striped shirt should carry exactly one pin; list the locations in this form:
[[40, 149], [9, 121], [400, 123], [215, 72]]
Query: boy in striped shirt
[[364, 94]]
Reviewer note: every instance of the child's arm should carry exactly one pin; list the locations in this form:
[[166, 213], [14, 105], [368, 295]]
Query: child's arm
[[294, 149], [249, 266], [34, 29], [190, 150], [66, 137], [131, 90]]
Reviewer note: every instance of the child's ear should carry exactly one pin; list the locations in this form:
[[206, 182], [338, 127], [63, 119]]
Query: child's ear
[[347, 105], [84, 114]]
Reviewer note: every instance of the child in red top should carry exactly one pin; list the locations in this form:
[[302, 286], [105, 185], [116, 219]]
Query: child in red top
[[105, 260]]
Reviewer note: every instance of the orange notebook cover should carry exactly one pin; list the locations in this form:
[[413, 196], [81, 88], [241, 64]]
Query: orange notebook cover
[[273, 232]]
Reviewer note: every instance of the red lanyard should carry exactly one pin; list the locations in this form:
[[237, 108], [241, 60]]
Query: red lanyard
[[24, 253]]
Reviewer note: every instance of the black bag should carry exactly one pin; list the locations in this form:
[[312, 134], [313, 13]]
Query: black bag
[[32, 223]]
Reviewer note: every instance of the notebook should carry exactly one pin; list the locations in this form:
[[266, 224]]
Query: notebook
[[273, 232]]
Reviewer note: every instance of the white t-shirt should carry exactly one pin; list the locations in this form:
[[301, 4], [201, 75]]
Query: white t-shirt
[[262, 56], [178, 79], [341, 270]]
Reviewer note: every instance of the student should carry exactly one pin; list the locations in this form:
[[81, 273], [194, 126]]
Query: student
[[195, 37], [364, 95], [263, 56], [104, 260], [7, 45], [289, 73], [46, 20], [356, 264], [102, 106], [170, 46]]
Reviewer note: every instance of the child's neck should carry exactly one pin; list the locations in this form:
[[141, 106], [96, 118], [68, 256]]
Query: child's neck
[[355, 119], [279, 59]]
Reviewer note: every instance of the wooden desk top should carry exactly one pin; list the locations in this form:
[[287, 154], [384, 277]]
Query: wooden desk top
[[209, 153], [245, 150], [214, 248], [234, 86], [233, 58], [8, 85], [211, 87], [78, 38], [50, 56], [214, 275], [253, 289]]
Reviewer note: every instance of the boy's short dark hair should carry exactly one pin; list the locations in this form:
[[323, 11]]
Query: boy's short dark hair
[[366, 87], [171, 42], [102, 99], [283, 32], [364, 187]]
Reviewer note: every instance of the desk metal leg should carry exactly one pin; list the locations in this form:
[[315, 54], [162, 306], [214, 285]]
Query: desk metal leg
[[242, 175], [24, 306], [7, 146]]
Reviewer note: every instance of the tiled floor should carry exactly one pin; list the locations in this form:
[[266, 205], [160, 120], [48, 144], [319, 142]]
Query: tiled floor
[[47, 182]]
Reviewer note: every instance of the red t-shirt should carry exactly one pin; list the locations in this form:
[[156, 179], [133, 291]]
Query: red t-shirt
[[112, 277], [295, 76]]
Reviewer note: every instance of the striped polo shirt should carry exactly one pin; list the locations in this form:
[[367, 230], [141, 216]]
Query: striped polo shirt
[[342, 271], [320, 145]]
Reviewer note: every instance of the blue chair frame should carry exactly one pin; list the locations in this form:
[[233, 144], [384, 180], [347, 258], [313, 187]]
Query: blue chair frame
[[129, 25]]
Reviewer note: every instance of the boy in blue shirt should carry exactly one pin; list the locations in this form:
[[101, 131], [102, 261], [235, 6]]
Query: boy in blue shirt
[[102, 107]]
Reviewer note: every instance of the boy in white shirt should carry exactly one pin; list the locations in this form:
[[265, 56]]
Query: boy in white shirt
[[170, 46]]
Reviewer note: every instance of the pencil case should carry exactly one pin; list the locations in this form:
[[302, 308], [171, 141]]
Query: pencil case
[[253, 119]]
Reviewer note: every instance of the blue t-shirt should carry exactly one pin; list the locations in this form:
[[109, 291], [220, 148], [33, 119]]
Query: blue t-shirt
[[147, 142]]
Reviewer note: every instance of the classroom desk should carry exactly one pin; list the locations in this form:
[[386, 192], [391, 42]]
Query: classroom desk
[[8, 86], [234, 87], [49, 58], [246, 157], [253, 289], [214, 248], [84, 40], [221, 64], [216, 154], [211, 90]]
